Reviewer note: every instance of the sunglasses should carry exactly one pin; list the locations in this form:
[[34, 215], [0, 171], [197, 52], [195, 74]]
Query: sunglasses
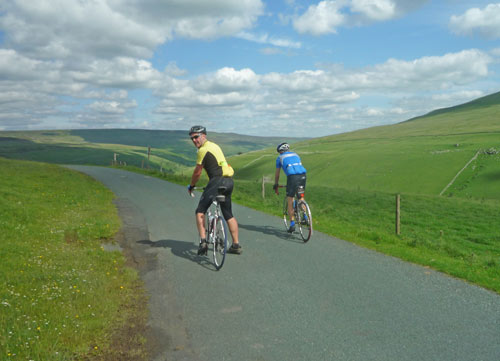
[[195, 137]]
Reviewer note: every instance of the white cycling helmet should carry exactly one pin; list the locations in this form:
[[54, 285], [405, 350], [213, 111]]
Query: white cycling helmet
[[198, 129], [283, 147]]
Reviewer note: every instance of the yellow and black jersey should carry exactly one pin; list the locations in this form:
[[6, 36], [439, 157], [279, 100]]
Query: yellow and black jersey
[[210, 156]]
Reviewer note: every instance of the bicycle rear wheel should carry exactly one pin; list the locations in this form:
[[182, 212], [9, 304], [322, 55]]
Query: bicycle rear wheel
[[220, 242], [304, 220]]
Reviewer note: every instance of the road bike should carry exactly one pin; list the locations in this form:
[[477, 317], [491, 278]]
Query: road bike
[[216, 229], [302, 214]]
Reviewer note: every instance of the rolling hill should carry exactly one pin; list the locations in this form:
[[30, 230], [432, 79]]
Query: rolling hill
[[419, 156], [170, 149]]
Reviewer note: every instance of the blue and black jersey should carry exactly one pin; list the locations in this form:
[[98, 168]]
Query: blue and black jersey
[[290, 163]]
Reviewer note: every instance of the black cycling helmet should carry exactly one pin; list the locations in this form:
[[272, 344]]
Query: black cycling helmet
[[283, 147], [198, 129]]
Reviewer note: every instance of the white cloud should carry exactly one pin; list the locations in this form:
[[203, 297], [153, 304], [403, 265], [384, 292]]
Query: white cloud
[[329, 95], [457, 97], [485, 22], [328, 15], [431, 72], [173, 70], [60, 29], [321, 19], [377, 10], [112, 107], [266, 39], [299, 81], [197, 19], [68, 50], [108, 28], [227, 80], [120, 72], [271, 51], [373, 112], [496, 53], [15, 66]]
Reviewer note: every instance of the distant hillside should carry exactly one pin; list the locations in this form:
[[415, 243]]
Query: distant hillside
[[170, 149], [484, 102], [421, 156], [175, 140]]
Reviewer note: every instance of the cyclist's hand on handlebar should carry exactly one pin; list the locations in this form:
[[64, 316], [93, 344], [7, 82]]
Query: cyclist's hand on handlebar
[[275, 188], [190, 190]]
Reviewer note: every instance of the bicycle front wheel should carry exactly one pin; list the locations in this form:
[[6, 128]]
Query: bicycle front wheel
[[220, 242], [304, 220]]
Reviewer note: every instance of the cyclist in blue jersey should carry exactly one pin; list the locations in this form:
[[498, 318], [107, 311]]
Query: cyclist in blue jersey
[[295, 176]]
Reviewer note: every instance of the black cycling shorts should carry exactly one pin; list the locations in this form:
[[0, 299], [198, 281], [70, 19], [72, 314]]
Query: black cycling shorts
[[211, 191], [293, 181]]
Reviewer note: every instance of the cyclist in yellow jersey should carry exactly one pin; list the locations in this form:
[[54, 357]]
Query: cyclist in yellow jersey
[[211, 158]]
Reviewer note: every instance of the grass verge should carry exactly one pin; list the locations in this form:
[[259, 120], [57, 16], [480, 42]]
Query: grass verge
[[62, 295]]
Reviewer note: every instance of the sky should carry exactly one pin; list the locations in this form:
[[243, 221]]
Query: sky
[[256, 67]]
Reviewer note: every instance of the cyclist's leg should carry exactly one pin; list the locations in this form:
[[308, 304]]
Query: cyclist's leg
[[205, 201], [200, 224], [233, 229], [290, 192], [291, 189], [291, 212], [286, 215], [301, 181], [227, 212]]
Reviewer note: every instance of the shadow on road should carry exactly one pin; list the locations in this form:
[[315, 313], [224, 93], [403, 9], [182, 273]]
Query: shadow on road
[[186, 250], [273, 231]]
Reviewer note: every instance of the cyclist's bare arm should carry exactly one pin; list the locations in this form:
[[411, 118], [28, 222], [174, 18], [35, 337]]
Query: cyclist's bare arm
[[277, 176], [196, 175]]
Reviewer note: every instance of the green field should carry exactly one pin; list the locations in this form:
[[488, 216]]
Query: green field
[[63, 296]]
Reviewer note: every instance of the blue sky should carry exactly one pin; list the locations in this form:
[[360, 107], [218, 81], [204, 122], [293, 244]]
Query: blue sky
[[281, 67]]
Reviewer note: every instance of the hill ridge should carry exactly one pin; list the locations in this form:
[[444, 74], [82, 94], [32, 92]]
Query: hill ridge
[[481, 102]]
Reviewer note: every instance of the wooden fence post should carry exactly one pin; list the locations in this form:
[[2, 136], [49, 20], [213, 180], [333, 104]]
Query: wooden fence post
[[398, 214], [263, 188]]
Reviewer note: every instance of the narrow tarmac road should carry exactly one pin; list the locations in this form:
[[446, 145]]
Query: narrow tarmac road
[[285, 300]]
